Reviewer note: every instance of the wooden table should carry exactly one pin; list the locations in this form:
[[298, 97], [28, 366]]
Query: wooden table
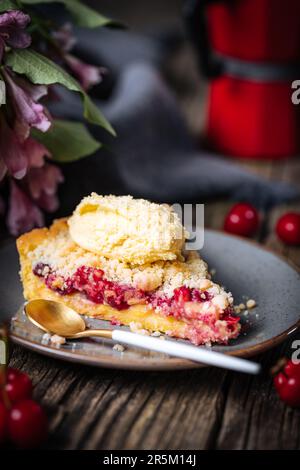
[[199, 409]]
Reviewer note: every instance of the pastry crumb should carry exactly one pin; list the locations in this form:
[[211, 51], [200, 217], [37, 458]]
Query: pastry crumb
[[46, 338], [251, 303], [240, 308], [57, 340], [137, 328], [119, 348]]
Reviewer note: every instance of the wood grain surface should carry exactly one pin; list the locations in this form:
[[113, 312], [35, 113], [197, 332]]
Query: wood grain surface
[[198, 409]]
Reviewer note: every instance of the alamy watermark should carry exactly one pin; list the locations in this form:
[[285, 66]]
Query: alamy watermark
[[296, 94], [192, 218], [296, 354]]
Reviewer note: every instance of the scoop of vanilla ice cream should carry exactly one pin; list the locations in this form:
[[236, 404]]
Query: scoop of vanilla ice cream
[[131, 230]]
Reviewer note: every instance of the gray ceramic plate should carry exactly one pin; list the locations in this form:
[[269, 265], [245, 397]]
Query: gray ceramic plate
[[245, 268]]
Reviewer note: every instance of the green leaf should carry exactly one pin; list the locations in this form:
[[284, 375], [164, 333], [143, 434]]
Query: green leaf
[[93, 114], [7, 5], [85, 16], [67, 141], [82, 15], [40, 70]]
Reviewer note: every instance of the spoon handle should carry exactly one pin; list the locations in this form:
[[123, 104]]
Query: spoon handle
[[194, 353], [87, 333], [174, 348]]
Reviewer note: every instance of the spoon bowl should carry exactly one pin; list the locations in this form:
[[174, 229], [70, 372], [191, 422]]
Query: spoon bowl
[[54, 317]]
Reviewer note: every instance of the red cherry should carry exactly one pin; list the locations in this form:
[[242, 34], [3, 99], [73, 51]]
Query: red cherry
[[292, 369], [18, 385], [242, 219], [3, 423], [182, 294], [27, 424], [287, 384], [288, 228]]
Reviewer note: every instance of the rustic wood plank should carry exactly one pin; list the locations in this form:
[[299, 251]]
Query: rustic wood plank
[[254, 416], [126, 410]]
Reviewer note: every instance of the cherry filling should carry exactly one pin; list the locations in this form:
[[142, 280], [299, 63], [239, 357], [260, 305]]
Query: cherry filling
[[230, 318], [92, 283]]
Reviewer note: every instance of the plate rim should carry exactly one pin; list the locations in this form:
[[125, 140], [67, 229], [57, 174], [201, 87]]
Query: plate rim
[[169, 363]]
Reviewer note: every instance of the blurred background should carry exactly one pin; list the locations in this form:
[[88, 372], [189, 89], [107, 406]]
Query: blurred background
[[164, 19], [200, 96]]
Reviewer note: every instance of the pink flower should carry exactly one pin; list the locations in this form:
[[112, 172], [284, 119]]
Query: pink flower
[[35, 152], [24, 97], [12, 156], [15, 156], [65, 38], [23, 214], [42, 185], [88, 75], [12, 25]]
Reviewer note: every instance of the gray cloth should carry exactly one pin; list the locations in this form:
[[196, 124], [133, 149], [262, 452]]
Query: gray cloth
[[154, 155]]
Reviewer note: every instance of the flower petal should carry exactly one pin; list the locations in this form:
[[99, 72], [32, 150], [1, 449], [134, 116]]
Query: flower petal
[[36, 152], [11, 151], [87, 74], [48, 203], [18, 39], [65, 37], [35, 92], [42, 184], [15, 18], [28, 112], [12, 25], [23, 214]]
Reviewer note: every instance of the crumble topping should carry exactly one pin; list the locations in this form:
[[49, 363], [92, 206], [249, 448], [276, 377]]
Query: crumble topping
[[127, 229], [64, 256]]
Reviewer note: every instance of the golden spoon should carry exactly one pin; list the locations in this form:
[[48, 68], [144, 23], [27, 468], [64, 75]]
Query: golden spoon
[[55, 317]]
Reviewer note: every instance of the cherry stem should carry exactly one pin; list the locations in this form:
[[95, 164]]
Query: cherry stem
[[278, 366]]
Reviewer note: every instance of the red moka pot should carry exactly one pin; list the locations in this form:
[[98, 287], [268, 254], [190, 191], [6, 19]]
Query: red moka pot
[[250, 51]]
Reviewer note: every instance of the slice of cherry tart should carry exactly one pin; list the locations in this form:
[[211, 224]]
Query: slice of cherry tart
[[173, 297]]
